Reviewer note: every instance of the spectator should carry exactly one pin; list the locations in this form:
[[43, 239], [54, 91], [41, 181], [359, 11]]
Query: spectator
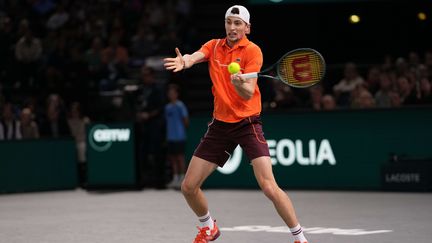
[[57, 62], [401, 67], [120, 109], [54, 125], [372, 80], [6, 48], [77, 75], [405, 90], [93, 59], [422, 72], [10, 127], [31, 102], [383, 95], [343, 88], [316, 94], [413, 61], [29, 128], [395, 99], [284, 96], [176, 119], [115, 59], [77, 124], [363, 99], [115, 52], [149, 117], [423, 94], [28, 52], [328, 103]]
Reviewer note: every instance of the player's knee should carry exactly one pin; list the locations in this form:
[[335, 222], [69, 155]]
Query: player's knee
[[270, 190], [188, 188]]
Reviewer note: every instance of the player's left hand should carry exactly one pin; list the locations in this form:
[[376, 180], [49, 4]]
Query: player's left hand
[[236, 79]]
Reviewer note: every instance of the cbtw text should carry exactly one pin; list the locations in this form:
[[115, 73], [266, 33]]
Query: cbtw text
[[111, 135]]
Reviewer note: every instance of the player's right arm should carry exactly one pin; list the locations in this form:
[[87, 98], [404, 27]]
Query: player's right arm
[[181, 62]]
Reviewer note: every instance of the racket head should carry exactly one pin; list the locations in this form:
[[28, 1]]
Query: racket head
[[301, 68]]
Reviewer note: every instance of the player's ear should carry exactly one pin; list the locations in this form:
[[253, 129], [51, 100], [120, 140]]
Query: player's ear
[[248, 29]]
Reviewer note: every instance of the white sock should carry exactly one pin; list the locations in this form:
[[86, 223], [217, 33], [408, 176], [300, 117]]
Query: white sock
[[206, 221], [297, 232]]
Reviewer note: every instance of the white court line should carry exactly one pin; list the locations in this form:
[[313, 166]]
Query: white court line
[[312, 230]]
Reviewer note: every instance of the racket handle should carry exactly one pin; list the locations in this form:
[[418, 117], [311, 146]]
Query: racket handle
[[249, 75]]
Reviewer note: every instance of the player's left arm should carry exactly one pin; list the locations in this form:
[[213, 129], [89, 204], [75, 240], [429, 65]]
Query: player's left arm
[[246, 87]]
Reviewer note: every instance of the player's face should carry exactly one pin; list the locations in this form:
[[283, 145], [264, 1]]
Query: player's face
[[235, 29]]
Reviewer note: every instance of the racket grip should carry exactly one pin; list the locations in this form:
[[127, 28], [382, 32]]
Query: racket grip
[[249, 75]]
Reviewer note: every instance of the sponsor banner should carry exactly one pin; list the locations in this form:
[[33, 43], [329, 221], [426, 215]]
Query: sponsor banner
[[37, 165], [111, 154], [407, 175], [327, 150], [101, 137]]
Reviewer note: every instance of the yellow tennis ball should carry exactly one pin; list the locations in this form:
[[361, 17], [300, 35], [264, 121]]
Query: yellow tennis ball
[[233, 68]]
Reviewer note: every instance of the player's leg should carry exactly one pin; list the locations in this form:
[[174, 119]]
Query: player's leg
[[263, 171], [198, 170], [214, 150]]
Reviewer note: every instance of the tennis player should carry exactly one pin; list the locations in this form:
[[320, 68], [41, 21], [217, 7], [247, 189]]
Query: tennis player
[[236, 121]]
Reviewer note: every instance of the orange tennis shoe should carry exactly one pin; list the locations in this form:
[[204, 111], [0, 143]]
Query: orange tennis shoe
[[299, 242], [205, 234]]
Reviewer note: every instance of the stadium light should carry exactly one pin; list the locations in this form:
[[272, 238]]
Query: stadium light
[[354, 19], [421, 16]]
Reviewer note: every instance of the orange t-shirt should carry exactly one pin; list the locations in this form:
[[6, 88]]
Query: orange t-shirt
[[228, 105]]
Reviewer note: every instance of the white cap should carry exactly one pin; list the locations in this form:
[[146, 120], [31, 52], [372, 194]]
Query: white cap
[[239, 12]]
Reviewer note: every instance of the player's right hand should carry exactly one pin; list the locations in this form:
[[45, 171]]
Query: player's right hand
[[175, 63]]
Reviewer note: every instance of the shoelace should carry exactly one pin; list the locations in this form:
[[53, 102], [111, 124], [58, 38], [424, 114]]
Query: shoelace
[[202, 233]]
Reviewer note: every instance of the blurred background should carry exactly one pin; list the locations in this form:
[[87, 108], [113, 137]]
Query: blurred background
[[83, 92]]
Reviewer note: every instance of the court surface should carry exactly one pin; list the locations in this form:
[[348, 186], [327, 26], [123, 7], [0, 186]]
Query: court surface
[[243, 215]]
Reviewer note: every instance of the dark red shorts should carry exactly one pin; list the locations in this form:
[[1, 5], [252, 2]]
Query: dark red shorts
[[222, 138]]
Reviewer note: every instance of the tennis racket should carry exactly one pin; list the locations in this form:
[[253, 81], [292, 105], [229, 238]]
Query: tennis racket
[[299, 68]]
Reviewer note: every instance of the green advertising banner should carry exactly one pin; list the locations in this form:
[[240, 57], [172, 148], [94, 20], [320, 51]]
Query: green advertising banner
[[111, 155], [37, 165], [327, 150]]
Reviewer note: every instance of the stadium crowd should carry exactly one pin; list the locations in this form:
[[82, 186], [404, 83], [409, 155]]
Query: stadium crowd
[[403, 81]]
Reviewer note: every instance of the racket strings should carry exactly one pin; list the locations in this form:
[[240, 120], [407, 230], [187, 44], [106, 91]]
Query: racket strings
[[302, 68]]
